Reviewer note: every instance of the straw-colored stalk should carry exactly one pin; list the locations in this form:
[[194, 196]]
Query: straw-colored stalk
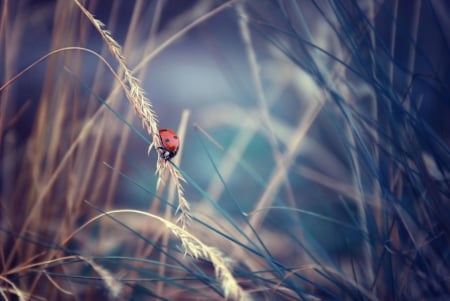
[[21, 295], [184, 208], [140, 102], [144, 110], [194, 247], [114, 286]]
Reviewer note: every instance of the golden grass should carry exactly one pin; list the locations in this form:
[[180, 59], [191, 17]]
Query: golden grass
[[13, 290], [230, 240], [192, 245], [144, 110]]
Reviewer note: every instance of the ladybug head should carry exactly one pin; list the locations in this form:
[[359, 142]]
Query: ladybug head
[[166, 154]]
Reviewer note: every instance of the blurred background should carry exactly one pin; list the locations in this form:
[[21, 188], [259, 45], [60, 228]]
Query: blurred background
[[320, 125]]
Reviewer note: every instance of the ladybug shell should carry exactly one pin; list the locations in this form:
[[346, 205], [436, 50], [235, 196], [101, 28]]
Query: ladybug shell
[[170, 143]]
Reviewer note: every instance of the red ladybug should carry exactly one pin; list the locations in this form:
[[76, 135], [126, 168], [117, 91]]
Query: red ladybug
[[170, 143]]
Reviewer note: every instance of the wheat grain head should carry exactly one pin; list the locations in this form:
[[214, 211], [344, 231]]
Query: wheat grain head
[[144, 111]]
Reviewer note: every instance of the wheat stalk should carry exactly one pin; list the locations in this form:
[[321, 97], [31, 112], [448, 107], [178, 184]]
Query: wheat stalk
[[144, 110], [194, 247], [137, 97], [184, 209]]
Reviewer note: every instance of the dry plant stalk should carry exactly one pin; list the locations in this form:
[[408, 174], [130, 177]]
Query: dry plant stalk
[[22, 296], [197, 249], [140, 102], [113, 285], [282, 159], [144, 110]]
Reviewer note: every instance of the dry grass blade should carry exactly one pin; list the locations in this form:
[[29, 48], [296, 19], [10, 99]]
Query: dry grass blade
[[140, 102], [194, 247], [114, 286], [278, 174], [184, 216], [182, 32], [14, 289], [144, 110], [184, 208], [56, 285]]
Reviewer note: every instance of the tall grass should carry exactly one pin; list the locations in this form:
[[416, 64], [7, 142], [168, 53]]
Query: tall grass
[[314, 161]]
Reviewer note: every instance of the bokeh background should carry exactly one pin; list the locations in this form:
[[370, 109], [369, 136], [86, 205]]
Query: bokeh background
[[336, 136]]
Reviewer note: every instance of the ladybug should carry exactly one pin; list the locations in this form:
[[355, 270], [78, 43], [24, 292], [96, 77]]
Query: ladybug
[[170, 143]]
